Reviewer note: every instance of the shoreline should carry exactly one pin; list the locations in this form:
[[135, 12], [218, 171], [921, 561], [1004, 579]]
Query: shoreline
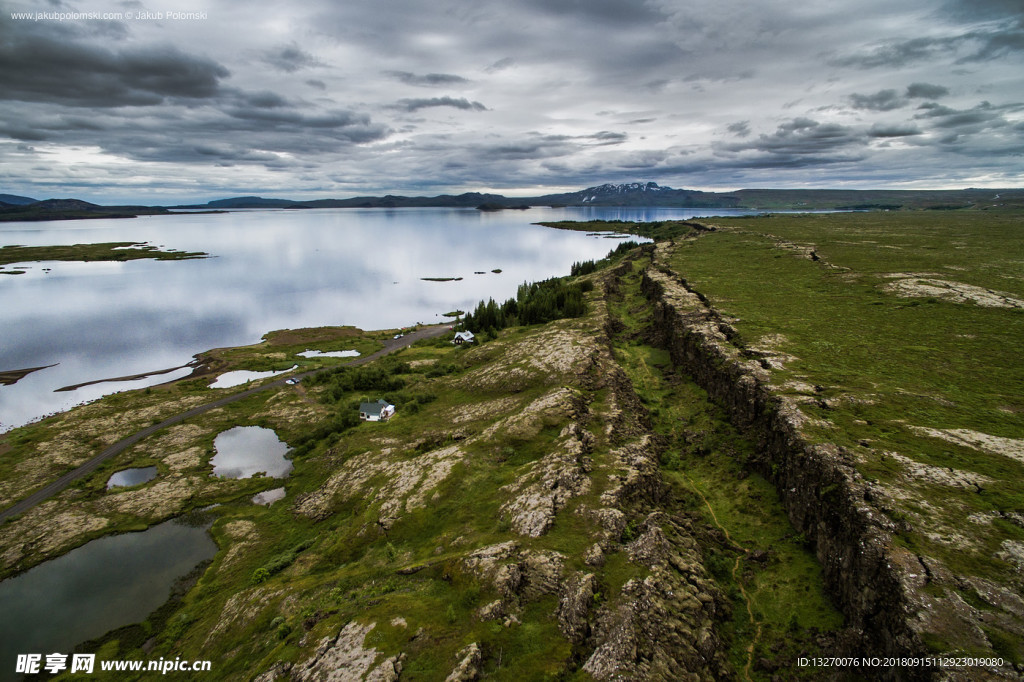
[[9, 377], [62, 482], [133, 377]]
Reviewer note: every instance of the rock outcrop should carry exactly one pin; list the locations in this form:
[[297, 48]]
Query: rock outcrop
[[468, 668], [878, 585], [661, 627], [345, 658]]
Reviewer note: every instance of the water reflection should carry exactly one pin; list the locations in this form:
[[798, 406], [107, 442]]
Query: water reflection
[[239, 377], [245, 451], [130, 477], [328, 354], [268, 497], [271, 269], [105, 584]]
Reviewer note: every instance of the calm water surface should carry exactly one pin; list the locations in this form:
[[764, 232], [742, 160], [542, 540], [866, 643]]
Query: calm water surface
[[270, 269], [105, 584], [268, 497], [244, 451], [129, 477]]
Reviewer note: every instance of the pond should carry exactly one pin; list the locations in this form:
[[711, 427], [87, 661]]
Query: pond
[[329, 354], [244, 451], [130, 477], [242, 376], [269, 269], [268, 497], [105, 584]]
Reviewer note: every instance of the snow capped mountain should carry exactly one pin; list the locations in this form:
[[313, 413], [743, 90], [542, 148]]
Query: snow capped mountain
[[638, 194], [609, 190]]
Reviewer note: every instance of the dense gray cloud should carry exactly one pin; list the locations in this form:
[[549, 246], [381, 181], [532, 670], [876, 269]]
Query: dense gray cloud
[[415, 104], [896, 130], [981, 45], [883, 100], [328, 99], [290, 59], [428, 79], [926, 91], [800, 138], [41, 67], [740, 128], [887, 100]]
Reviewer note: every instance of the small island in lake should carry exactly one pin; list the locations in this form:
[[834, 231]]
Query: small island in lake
[[106, 251]]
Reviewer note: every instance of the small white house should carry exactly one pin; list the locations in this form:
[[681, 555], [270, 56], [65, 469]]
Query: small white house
[[379, 411], [463, 337]]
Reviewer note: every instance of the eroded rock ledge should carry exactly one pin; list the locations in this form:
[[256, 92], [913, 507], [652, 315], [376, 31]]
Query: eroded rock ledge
[[652, 617], [878, 584]]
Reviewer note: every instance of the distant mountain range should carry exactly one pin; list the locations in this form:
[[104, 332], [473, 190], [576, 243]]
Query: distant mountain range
[[632, 194], [14, 207], [15, 200], [653, 194]]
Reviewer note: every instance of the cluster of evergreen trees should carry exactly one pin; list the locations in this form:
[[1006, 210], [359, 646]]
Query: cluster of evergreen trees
[[588, 266], [584, 268], [539, 302], [535, 303]]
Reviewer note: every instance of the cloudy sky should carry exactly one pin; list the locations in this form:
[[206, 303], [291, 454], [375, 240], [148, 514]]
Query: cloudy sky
[[337, 99]]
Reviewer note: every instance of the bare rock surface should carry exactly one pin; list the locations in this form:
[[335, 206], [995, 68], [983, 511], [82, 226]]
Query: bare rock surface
[[996, 445], [408, 482], [957, 292], [468, 666], [549, 484], [46, 529], [574, 606], [661, 627], [344, 658]]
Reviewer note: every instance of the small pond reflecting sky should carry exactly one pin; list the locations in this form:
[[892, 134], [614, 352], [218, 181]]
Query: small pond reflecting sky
[[244, 451]]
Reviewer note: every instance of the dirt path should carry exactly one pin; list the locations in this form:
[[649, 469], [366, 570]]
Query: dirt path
[[739, 583], [51, 489]]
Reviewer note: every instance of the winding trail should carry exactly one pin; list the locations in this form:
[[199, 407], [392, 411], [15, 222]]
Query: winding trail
[[739, 583], [51, 489]]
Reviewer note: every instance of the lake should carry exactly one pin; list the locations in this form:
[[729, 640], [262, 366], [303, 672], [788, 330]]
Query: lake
[[269, 269]]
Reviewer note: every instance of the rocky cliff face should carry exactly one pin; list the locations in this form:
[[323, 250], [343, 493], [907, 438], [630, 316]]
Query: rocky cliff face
[[626, 588], [879, 585]]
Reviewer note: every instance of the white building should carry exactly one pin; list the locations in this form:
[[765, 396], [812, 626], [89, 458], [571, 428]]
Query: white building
[[379, 411]]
